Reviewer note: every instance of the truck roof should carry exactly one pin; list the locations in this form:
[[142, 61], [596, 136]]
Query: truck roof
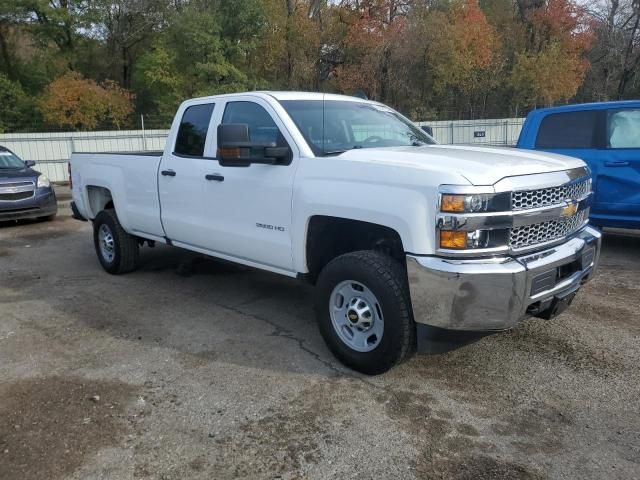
[[283, 95], [586, 106]]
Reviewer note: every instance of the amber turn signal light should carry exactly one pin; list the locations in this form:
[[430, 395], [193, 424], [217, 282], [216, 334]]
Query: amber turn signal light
[[452, 239], [229, 152], [452, 203]]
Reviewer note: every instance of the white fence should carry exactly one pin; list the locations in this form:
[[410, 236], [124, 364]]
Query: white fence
[[503, 131], [51, 151]]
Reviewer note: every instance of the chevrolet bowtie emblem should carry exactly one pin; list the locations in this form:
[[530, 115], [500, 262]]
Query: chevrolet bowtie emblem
[[570, 210]]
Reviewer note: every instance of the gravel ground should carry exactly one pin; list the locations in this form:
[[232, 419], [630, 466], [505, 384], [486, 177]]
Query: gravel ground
[[190, 368]]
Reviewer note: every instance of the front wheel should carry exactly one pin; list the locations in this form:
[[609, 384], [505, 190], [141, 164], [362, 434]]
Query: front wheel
[[117, 251], [364, 311]]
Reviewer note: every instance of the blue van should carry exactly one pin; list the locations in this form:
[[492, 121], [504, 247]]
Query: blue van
[[607, 137]]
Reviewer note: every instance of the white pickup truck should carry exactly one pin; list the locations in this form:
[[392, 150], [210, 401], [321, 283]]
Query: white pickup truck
[[398, 234]]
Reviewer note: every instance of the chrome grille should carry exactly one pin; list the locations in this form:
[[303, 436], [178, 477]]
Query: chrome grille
[[16, 190], [12, 197], [549, 196], [15, 184], [536, 233]]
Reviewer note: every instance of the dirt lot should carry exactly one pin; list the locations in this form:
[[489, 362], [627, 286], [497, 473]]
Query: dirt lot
[[190, 368]]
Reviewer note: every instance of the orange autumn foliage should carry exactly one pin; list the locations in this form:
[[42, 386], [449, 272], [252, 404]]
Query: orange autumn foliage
[[554, 65], [72, 101]]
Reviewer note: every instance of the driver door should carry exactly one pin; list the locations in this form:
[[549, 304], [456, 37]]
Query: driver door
[[250, 207]]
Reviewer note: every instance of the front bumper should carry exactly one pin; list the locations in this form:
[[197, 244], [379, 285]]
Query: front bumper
[[42, 204], [494, 294]]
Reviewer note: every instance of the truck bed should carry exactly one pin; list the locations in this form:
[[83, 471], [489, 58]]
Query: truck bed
[[132, 179]]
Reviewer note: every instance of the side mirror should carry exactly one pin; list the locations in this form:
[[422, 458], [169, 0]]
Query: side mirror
[[29, 163], [427, 129], [235, 148]]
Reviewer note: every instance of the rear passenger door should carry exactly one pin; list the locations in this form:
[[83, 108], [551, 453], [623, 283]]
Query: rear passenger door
[[618, 181], [181, 179]]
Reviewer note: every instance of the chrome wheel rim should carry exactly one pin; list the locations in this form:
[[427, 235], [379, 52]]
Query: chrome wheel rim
[[106, 243], [356, 316]]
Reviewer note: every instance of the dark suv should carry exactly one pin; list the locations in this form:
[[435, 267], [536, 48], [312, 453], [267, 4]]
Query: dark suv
[[24, 192]]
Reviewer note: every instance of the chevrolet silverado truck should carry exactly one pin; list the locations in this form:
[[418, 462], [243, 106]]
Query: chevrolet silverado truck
[[398, 235]]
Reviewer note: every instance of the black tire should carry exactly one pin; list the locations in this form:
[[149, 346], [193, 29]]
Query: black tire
[[387, 280], [126, 250]]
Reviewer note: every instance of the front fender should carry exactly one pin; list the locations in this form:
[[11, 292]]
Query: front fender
[[407, 211]]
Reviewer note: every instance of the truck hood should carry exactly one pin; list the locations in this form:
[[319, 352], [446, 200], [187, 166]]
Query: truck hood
[[479, 165]]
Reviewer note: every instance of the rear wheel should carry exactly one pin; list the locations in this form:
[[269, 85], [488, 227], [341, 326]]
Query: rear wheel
[[118, 252], [364, 311]]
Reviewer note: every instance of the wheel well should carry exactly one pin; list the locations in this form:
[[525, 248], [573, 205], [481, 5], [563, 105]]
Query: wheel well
[[330, 237], [99, 199]]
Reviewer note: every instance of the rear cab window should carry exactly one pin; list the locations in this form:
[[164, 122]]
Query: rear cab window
[[623, 128], [568, 130], [192, 133]]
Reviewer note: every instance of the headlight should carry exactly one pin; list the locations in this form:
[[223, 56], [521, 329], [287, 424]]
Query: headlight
[[43, 181], [475, 203], [464, 203], [463, 240]]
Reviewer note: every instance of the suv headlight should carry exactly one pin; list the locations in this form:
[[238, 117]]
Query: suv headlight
[[43, 181]]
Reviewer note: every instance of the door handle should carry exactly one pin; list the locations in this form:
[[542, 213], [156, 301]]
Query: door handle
[[168, 173], [214, 176], [616, 164]]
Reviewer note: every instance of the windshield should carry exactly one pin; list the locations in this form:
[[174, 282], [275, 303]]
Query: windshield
[[332, 127], [10, 160]]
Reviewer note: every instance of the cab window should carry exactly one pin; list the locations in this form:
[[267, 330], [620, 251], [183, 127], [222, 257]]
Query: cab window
[[568, 130], [623, 128], [262, 128], [192, 132]]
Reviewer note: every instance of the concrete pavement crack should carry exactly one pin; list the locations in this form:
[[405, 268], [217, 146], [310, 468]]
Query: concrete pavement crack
[[280, 331]]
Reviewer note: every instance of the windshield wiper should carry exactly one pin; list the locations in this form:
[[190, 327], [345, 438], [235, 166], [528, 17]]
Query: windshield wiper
[[334, 152], [338, 152]]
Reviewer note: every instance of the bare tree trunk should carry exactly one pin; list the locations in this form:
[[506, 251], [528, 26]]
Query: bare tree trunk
[[291, 8], [6, 56], [630, 66]]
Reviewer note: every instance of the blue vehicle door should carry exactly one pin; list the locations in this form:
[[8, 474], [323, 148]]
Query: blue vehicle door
[[617, 187], [574, 133]]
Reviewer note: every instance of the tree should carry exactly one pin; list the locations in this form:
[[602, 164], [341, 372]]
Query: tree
[[546, 77], [72, 101], [375, 28], [17, 111], [463, 53], [554, 63], [159, 85], [615, 56]]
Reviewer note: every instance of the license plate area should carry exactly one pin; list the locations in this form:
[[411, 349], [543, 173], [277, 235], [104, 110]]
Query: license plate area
[[548, 279]]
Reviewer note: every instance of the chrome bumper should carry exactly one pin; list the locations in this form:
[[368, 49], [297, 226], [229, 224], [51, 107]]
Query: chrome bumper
[[494, 294]]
